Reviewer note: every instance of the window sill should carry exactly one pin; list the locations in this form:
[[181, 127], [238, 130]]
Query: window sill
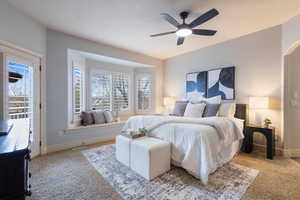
[[94, 126]]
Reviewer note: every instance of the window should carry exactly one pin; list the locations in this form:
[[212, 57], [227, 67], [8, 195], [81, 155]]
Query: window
[[110, 91], [77, 90], [144, 93], [120, 84], [101, 91]]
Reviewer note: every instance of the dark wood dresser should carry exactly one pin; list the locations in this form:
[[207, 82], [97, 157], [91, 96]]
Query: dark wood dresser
[[14, 163]]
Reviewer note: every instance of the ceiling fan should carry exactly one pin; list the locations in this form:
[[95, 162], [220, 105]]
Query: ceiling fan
[[184, 29]]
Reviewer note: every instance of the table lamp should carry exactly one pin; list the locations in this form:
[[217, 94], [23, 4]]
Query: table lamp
[[258, 103], [169, 103]]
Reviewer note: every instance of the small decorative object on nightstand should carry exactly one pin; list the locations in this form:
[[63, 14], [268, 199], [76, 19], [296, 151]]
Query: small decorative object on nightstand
[[268, 132], [267, 122]]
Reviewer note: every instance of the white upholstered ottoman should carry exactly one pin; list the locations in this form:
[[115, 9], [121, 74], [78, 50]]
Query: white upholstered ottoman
[[123, 149], [150, 157]]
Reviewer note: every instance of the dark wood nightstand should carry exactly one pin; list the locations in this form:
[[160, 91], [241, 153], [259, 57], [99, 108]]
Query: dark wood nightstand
[[269, 133]]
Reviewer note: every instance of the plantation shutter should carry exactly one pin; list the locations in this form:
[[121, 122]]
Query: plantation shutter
[[77, 90], [120, 89], [144, 93], [101, 91]]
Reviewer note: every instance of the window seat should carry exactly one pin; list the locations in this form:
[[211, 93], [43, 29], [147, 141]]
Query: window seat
[[94, 126]]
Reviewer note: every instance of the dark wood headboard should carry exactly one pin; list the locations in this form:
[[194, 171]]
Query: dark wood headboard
[[241, 112]]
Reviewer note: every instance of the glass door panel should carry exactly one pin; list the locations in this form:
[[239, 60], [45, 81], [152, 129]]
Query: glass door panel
[[23, 97]]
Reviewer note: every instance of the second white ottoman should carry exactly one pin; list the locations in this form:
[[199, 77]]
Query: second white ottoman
[[150, 157], [123, 149]]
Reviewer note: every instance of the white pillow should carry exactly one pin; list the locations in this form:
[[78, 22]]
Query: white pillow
[[212, 100], [99, 117], [227, 110], [194, 110], [108, 116]]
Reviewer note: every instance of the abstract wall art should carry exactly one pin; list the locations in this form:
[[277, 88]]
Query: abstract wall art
[[221, 82], [196, 85]]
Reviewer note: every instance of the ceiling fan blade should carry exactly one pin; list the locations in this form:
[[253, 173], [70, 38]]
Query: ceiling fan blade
[[204, 32], [204, 18], [169, 19], [180, 41], [161, 34]]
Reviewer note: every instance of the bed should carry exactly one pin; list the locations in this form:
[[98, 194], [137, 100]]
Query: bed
[[199, 145]]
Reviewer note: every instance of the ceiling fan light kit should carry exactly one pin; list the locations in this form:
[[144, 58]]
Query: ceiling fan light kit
[[184, 30]]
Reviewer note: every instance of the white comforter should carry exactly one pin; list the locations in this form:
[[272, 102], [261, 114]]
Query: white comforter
[[199, 145]]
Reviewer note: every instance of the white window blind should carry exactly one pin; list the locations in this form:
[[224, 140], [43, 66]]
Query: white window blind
[[77, 89], [120, 85], [144, 93], [101, 91], [110, 91]]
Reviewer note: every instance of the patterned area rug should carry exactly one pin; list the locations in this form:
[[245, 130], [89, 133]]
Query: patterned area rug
[[228, 183]]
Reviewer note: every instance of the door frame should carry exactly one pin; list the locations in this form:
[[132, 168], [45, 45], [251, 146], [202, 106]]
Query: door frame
[[36, 115], [9, 48]]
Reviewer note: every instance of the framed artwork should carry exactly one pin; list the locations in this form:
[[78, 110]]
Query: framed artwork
[[196, 85], [221, 82]]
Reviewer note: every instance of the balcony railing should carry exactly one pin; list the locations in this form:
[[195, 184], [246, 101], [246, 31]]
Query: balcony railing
[[19, 107]]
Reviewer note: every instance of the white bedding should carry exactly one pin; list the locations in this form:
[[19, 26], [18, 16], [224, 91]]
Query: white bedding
[[199, 145]]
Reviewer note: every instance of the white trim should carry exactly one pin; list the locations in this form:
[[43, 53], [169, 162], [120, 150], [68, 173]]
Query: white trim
[[2, 85], [43, 100], [12, 47], [79, 61], [5, 86], [94, 140], [8, 47]]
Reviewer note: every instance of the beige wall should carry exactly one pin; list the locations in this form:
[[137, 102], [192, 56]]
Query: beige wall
[[21, 30], [291, 61], [292, 100], [258, 62], [290, 33]]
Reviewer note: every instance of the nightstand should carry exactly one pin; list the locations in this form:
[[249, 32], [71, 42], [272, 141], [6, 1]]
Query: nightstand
[[269, 133]]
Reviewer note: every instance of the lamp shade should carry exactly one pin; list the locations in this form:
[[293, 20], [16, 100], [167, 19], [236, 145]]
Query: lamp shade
[[169, 101], [259, 102]]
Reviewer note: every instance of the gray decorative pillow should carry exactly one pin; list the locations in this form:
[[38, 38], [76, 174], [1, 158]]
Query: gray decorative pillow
[[86, 118], [211, 110], [179, 108], [99, 117], [108, 116]]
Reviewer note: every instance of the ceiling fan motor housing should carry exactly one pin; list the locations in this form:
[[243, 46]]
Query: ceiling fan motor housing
[[184, 15]]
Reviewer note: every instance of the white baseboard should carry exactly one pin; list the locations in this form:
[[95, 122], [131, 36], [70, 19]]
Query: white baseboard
[[70, 145], [291, 153]]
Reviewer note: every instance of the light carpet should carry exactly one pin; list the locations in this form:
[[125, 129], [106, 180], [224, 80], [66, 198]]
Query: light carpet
[[229, 182]]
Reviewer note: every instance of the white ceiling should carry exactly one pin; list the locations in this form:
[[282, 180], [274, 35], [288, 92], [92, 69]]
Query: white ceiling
[[128, 23]]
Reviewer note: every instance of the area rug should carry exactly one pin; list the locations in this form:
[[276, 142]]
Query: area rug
[[228, 183]]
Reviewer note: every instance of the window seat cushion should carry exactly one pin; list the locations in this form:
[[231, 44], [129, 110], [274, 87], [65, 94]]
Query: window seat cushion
[[95, 126]]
